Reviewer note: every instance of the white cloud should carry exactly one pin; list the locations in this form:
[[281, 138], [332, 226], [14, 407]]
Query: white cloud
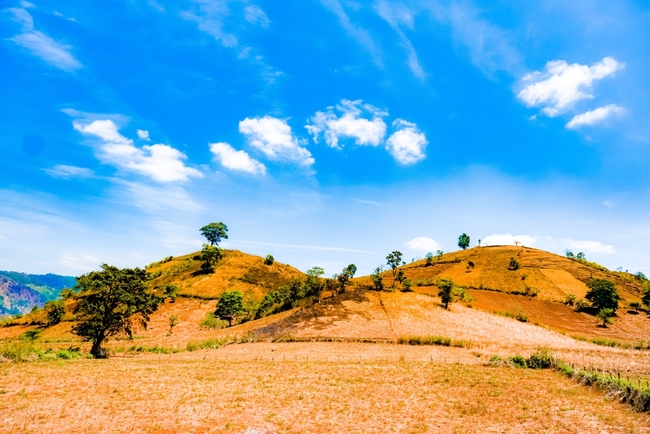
[[143, 134], [255, 15], [590, 247], [159, 162], [273, 137], [232, 159], [407, 145], [423, 244], [594, 116], [349, 124], [41, 45], [64, 171], [561, 85], [508, 239]]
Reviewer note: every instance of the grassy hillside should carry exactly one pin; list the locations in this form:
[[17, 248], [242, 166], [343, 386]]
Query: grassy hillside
[[235, 271]]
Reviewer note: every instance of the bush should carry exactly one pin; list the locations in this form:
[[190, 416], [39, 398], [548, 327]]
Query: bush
[[514, 265], [518, 361], [269, 260], [580, 305], [212, 322], [30, 335], [496, 360], [54, 310], [531, 291], [569, 299], [605, 315], [206, 344], [540, 359]]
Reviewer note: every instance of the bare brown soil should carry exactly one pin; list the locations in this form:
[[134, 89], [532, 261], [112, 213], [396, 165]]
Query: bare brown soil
[[302, 388]]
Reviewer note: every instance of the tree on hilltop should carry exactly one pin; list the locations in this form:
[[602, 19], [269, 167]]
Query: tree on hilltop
[[394, 260], [463, 241], [602, 294], [214, 232], [108, 301], [210, 255]]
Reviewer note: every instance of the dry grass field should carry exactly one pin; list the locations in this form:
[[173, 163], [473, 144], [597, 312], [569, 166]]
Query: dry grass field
[[302, 388]]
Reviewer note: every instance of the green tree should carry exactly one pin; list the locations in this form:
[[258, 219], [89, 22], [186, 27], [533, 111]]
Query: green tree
[[108, 301], [214, 232], [581, 256], [313, 283], [393, 260], [463, 241], [602, 294], [569, 254], [343, 278], [210, 255], [230, 306], [429, 257], [377, 280], [54, 310], [605, 315], [439, 253], [269, 260], [171, 291], [445, 291]]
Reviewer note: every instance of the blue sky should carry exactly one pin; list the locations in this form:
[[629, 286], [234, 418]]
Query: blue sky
[[322, 131]]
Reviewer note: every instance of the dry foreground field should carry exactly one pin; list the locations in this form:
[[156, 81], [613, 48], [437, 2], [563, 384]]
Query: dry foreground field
[[303, 387]]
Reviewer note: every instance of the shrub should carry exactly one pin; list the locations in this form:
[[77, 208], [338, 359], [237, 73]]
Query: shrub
[[496, 360], [514, 265], [171, 291], [54, 310], [540, 359], [531, 291], [269, 260], [635, 306], [605, 315], [521, 317], [580, 305], [70, 353], [212, 322], [570, 299], [406, 285], [206, 344], [518, 361], [30, 335]]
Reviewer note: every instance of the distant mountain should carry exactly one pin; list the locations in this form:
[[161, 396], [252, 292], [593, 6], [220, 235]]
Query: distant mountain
[[19, 292]]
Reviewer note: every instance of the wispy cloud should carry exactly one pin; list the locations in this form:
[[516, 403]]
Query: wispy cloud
[[303, 247], [397, 15], [594, 116], [355, 32], [41, 45], [560, 85], [67, 172]]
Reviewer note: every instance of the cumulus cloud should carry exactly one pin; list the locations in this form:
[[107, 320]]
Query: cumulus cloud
[[273, 137], [594, 116], [590, 247], [423, 244], [407, 145], [369, 130], [509, 239], [41, 45], [143, 134], [232, 159], [560, 85], [66, 172], [159, 162]]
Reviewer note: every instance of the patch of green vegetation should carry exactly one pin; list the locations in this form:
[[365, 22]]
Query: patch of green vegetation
[[211, 322], [433, 340], [206, 344]]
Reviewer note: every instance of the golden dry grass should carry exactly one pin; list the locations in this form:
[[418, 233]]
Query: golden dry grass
[[352, 388]]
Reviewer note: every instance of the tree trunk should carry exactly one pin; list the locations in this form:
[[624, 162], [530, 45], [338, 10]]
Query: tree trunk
[[97, 351]]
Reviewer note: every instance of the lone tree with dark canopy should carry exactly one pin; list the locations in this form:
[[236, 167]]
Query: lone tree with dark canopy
[[446, 291], [394, 260], [230, 306], [214, 232], [602, 294], [463, 241], [109, 301], [344, 276]]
